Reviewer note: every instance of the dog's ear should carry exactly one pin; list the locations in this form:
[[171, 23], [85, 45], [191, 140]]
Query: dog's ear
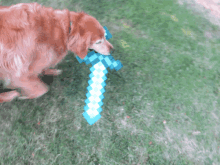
[[79, 39], [79, 44]]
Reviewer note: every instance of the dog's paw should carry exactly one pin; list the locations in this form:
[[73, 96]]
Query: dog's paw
[[54, 72], [8, 96], [22, 97]]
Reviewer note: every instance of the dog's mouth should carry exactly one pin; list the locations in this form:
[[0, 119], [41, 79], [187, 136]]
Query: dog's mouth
[[90, 50]]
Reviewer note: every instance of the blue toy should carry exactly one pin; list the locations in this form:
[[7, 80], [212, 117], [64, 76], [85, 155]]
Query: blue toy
[[100, 63]]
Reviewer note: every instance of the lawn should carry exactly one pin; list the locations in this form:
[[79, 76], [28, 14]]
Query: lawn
[[160, 108]]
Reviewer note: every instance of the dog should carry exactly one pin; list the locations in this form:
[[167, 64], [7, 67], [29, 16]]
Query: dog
[[35, 38]]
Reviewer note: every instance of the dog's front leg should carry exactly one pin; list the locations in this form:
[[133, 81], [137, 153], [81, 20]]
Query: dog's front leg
[[32, 87]]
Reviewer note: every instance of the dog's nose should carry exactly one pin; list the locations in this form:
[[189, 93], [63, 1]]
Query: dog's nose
[[112, 50]]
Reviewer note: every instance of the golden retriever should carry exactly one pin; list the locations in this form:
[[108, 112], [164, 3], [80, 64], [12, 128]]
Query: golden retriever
[[34, 38]]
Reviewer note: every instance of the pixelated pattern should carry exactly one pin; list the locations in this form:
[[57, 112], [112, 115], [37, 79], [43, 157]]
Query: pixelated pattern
[[100, 63]]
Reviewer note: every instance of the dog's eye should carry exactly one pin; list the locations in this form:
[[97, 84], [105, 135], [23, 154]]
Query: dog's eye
[[99, 42]]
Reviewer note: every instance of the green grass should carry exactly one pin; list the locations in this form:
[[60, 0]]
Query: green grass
[[160, 108]]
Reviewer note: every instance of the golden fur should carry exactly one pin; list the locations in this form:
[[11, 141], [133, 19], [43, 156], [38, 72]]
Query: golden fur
[[34, 38]]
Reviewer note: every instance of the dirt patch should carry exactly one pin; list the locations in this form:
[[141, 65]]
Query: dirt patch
[[209, 8], [212, 5]]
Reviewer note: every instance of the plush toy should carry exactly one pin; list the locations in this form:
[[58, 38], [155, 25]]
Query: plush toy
[[100, 63]]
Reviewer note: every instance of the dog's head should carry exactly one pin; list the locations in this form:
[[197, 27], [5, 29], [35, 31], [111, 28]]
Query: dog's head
[[87, 33]]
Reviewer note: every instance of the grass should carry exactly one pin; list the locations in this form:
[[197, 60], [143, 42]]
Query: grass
[[160, 108]]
